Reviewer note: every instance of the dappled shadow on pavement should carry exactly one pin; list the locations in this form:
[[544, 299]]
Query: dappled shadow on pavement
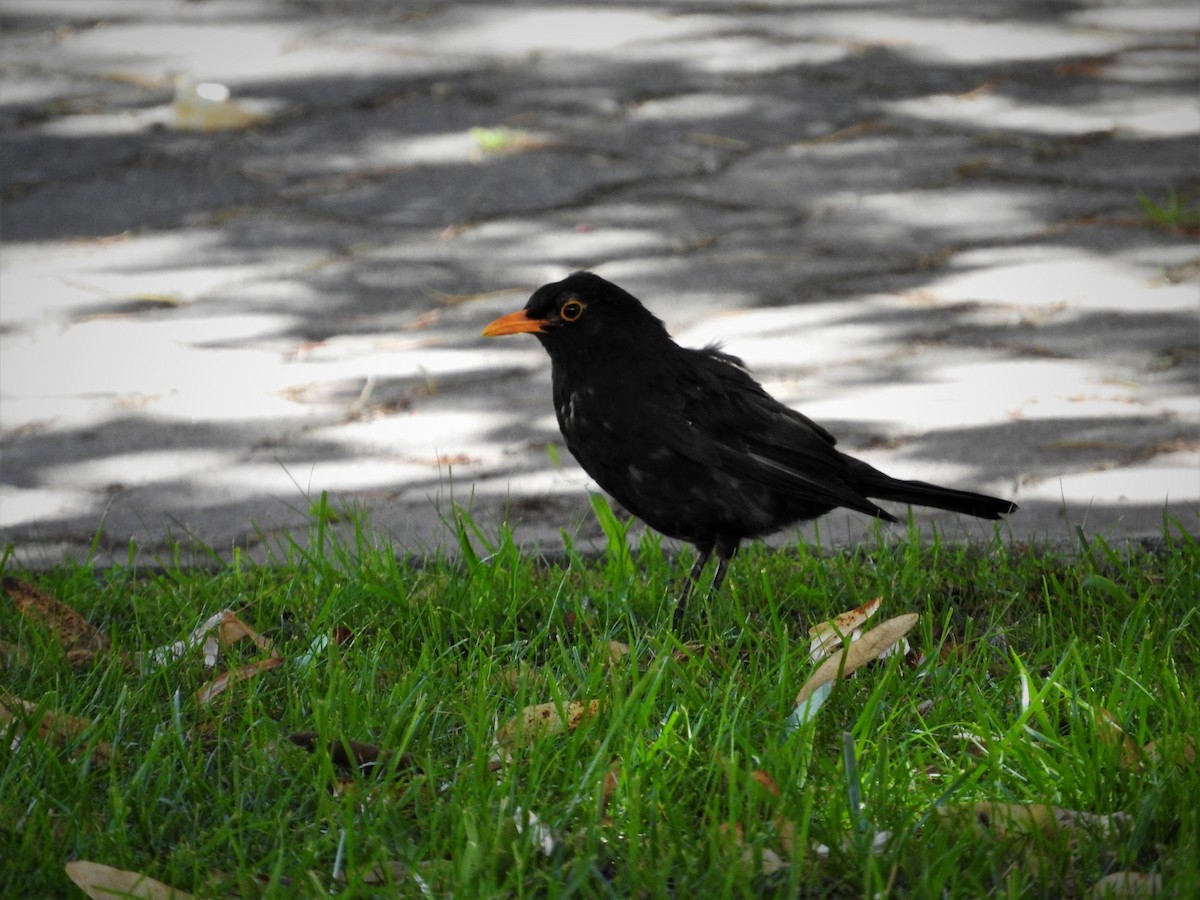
[[919, 225]]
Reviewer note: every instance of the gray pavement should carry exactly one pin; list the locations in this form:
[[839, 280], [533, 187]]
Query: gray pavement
[[918, 222]]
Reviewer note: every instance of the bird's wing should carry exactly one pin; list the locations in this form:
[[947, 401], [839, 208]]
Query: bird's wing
[[720, 416]]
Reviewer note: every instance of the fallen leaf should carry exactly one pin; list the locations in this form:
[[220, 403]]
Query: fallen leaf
[[541, 834], [868, 647], [732, 832], [13, 654], [218, 685], [612, 780], [1174, 749], [827, 636], [1090, 67], [1112, 734], [504, 140], [950, 649], [208, 106], [806, 710], [764, 860], [515, 676], [786, 829], [347, 754], [231, 629], [316, 647], [544, 720], [769, 862], [218, 630], [81, 657], [101, 882], [1121, 885], [69, 628], [764, 779], [615, 651], [693, 650], [879, 841], [54, 727], [1009, 819]]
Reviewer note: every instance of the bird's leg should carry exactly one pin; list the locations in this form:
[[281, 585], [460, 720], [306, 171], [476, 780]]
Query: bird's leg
[[726, 549], [702, 554]]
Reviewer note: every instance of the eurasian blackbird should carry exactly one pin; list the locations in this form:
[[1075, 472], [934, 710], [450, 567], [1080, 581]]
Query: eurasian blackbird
[[686, 439]]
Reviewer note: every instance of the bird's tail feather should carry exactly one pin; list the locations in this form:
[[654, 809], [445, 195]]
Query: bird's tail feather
[[875, 484]]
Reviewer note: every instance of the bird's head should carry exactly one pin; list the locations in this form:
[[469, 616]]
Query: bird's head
[[582, 313]]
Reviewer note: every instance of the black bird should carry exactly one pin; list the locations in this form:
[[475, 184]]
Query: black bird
[[687, 440]]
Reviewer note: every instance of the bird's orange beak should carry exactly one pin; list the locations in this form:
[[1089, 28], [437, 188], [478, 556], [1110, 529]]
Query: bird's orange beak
[[514, 323]]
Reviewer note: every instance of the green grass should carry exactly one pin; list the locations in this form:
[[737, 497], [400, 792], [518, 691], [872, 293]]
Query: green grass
[[1175, 212], [1021, 646]]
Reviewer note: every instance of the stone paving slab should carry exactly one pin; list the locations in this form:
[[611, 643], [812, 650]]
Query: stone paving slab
[[919, 223]]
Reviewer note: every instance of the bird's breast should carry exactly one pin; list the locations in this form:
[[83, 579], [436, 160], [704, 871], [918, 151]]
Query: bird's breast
[[598, 432], [571, 412]]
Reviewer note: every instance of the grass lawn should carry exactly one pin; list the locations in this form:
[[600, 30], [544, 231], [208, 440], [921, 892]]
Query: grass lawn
[[523, 728]]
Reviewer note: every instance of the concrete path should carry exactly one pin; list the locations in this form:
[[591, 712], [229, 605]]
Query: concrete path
[[918, 222]]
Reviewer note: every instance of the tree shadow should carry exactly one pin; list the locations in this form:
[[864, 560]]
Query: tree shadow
[[354, 244]]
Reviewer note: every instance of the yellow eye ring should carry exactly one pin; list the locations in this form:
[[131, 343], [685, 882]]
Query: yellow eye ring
[[571, 310]]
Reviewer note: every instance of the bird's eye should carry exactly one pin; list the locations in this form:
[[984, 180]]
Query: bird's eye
[[571, 310]]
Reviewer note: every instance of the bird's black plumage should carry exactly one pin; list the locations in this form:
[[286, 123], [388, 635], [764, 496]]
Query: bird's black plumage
[[686, 439]]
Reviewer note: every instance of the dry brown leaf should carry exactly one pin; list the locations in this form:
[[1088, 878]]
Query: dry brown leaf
[[693, 650], [69, 628], [868, 647], [612, 779], [765, 779], [732, 832], [101, 882], [1091, 67], [1112, 734], [77, 659], [768, 863], [13, 654], [786, 829], [615, 651], [1010, 819], [950, 649], [231, 629], [347, 754], [765, 861], [1126, 886], [218, 685], [514, 676], [218, 630], [201, 107], [54, 727], [827, 636], [1173, 749], [544, 720]]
